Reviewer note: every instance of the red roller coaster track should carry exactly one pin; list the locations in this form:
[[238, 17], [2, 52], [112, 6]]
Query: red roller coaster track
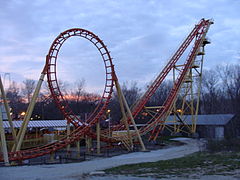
[[52, 77], [81, 128], [198, 33]]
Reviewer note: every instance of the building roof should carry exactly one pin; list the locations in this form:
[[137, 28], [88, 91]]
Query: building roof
[[204, 120], [209, 119], [38, 123]]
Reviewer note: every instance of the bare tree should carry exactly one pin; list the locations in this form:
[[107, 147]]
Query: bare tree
[[210, 93], [14, 98], [28, 88], [132, 93], [230, 76], [64, 87], [161, 94], [210, 81], [79, 89]]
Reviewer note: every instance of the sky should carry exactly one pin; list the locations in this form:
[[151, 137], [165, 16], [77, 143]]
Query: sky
[[140, 34]]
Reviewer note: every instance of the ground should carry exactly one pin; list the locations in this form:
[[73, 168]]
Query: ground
[[194, 166], [77, 171]]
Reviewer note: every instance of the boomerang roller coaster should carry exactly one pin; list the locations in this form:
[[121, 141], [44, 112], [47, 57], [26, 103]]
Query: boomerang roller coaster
[[182, 99]]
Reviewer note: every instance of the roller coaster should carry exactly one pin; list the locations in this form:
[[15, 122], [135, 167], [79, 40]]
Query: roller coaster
[[182, 88]]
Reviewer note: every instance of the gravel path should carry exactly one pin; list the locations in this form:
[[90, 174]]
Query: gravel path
[[76, 170]]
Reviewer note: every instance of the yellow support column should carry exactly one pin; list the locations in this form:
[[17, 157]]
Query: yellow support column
[[8, 111], [199, 87], [90, 143], [68, 133], [134, 124], [130, 114], [28, 115], [78, 148], [174, 105], [87, 142], [3, 141], [52, 157], [98, 129], [124, 113]]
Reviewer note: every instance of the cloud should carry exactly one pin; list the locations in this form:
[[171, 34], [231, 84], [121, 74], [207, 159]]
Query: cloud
[[141, 35]]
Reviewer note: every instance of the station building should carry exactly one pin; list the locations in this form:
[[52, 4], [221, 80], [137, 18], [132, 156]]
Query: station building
[[216, 126]]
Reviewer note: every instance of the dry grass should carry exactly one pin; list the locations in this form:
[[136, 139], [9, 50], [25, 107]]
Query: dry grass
[[192, 166]]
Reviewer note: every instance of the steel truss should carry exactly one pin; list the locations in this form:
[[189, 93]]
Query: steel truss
[[158, 121], [155, 125]]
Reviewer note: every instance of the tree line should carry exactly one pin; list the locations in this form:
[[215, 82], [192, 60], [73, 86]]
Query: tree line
[[220, 94]]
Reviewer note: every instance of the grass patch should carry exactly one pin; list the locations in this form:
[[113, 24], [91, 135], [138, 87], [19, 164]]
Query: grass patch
[[194, 165], [223, 145]]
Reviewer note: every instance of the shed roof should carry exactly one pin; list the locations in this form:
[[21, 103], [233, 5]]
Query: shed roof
[[209, 119], [38, 123]]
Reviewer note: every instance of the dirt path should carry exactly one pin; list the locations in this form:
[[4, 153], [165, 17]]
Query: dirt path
[[75, 170]]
